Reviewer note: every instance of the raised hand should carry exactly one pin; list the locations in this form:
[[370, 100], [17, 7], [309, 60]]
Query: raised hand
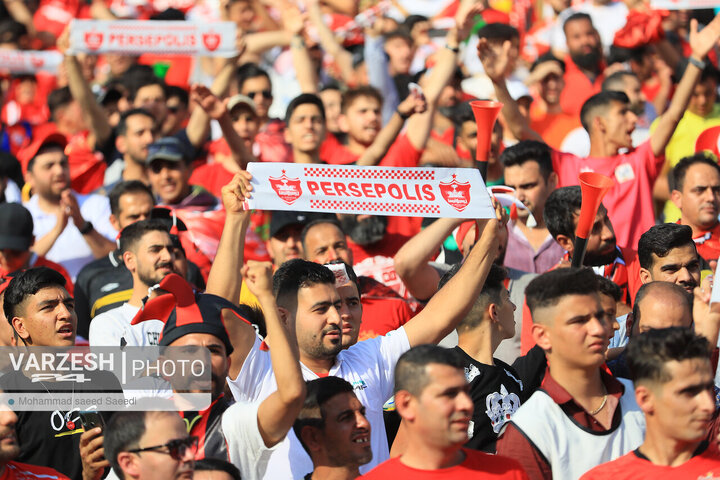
[[236, 192], [495, 61], [92, 454], [258, 277], [213, 106], [69, 203], [413, 103], [465, 18], [703, 41]]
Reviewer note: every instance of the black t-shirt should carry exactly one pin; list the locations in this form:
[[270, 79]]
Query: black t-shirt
[[52, 438], [531, 368], [497, 393]]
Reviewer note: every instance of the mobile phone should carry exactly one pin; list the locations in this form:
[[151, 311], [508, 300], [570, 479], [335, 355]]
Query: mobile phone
[[91, 419]]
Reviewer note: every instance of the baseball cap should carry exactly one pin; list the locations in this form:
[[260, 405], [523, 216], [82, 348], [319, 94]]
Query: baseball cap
[[281, 219], [241, 100], [16, 225], [167, 148], [43, 137], [167, 215]]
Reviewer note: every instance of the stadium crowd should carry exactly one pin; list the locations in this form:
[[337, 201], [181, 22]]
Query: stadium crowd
[[347, 345]]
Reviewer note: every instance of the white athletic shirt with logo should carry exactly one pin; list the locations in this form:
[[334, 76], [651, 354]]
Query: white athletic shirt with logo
[[368, 365], [570, 449], [109, 328]]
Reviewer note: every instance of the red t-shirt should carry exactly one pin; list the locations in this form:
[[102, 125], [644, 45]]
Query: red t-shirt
[[23, 471], [44, 262], [477, 465], [383, 309], [402, 153], [578, 88], [634, 466], [212, 176], [629, 202], [708, 244]]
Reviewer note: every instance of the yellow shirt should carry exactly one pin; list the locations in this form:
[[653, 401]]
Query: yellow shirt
[[682, 144]]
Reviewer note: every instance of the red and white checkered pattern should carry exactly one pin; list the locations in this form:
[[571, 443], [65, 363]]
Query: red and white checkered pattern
[[370, 173], [374, 206]]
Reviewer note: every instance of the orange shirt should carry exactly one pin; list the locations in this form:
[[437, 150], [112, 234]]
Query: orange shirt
[[578, 87]]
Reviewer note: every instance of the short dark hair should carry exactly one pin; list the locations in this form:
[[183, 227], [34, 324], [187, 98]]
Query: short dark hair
[[490, 293], [44, 148], [181, 94], [123, 432], [131, 235], [616, 81], [140, 78], [598, 105], [547, 57], [528, 151], [401, 33], [412, 20], [560, 209], [26, 284], [248, 71], [319, 221], [302, 99], [353, 94], [121, 128], [319, 392], [668, 288], [499, 32], [209, 464], [410, 371], [126, 187], [660, 239], [647, 354], [609, 288], [575, 17], [296, 274], [678, 173], [548, 289], [57, 99]]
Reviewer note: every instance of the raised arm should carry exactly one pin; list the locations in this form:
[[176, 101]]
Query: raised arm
[[495, 63], [411, 261], [413, 104], [277, 412], [701, 43], [329, 43], [453, 302], [706, 315], [294, 23], [80, 90]]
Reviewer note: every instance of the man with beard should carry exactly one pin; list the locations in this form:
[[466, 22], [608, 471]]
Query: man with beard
[[584, 63], [607, 118], [667, 253], [620, 265], [696, 191], [135, 132], [149, 254], [333, 430], [323, 241]]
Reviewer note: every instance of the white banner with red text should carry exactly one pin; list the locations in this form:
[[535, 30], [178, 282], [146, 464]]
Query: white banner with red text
[[135, 37], [413, 192], [682, 4], [29, 61]]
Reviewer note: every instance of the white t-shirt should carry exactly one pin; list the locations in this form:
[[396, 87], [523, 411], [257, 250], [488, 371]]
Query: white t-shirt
[[109, 328], [245, 445], [369, 366], [70, 249]]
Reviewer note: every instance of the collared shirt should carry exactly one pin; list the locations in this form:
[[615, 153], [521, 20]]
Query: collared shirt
[[514, 444], [520, 255]]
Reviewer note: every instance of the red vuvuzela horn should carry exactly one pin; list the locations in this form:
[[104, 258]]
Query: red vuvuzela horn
[[594, 186], [485, 112]]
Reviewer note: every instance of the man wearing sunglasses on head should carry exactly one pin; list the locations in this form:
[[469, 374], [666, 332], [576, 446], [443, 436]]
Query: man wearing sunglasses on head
[[150, 445]]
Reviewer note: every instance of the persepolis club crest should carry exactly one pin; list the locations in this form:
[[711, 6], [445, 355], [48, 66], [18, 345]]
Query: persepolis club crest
[[455, 193], [93, 39], [211, 40], [288, 189]]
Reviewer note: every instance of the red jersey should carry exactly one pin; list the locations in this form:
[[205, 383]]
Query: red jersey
[[383, 309], [634, 465], [402, 153], [38, 261], [23, 471], [578, 87], [212, 176], [708, 244], [629, 202], [477, 465]]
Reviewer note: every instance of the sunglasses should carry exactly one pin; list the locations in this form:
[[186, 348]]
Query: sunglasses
[[265, 93], [177, 448]]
